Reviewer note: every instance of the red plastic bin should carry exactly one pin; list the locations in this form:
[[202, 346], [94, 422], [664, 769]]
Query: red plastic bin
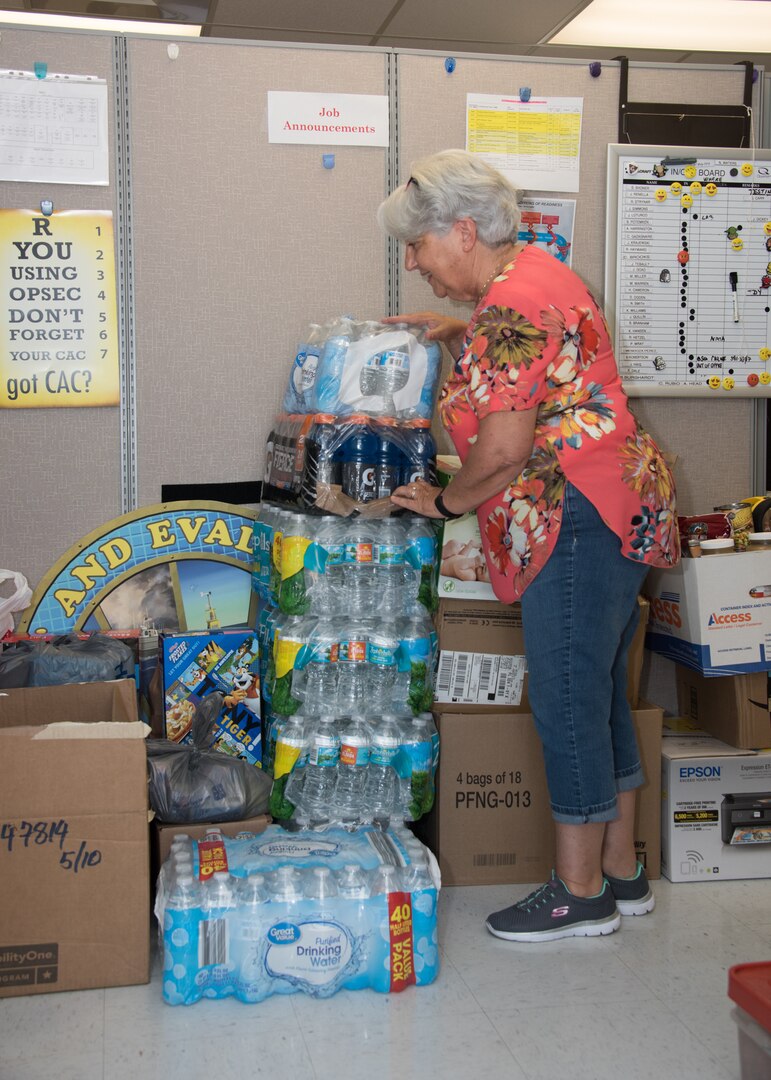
[[749, 986]]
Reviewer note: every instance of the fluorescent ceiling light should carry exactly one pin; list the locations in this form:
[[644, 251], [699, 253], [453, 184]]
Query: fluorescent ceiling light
[[688, 25], [33, 21]]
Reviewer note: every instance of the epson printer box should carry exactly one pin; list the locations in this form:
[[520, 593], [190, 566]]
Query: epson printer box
[[716, 810]]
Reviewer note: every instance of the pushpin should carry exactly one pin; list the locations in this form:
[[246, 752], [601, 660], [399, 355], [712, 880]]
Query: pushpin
[[46, 207], [524, 93], [172, 50], [328, 161], [41, 70], [595, 69], [449, 65]]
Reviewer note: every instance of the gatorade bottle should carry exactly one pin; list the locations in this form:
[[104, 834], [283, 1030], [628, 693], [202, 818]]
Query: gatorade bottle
[[420, 452], [322, 466], [390, 460], [360, 457]]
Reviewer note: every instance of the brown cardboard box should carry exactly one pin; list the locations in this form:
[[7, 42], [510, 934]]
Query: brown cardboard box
[[492, 824], [733, 708], [74, 853], [163, 834], [482, 657]]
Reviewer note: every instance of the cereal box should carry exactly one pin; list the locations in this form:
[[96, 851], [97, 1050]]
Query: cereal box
[[198, 664]]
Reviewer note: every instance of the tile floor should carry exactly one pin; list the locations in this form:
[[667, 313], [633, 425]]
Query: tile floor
[[646, 1002]]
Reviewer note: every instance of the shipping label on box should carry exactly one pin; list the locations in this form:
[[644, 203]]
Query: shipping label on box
[[713, 614], [465, 678], [716, 811], [196, 665]]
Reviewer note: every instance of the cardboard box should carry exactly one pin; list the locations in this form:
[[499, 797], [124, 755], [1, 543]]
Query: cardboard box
[[163, 833], [195, 665], [716, 810], [492, 823], [74, 852], [482, 657], [734, 708], [713, 614]]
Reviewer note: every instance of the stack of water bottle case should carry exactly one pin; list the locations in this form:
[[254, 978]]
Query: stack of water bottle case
[[338, 893]]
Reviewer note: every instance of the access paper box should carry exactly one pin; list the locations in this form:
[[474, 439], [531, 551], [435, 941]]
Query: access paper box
[[482, 657], [716, 810], [74, 850], [492, 823], [734, 708], [713, 614]]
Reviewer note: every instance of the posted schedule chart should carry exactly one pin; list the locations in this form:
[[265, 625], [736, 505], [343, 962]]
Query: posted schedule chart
[[688, 286]]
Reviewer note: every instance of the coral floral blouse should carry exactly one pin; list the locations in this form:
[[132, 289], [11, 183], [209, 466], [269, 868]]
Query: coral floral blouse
[[538, 340]]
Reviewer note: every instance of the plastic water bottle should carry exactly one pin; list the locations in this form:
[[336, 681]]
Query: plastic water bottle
[[381, 790], [382, 650], [387, 880], [320, 884], [327, 576], [390, 459], [388, 557], [352, 688], [352, 883], [297, 536], [414, 764], [320, 772], [302, 377], [318, 684], [416, 662], [291, 743], [429, 719], [425, 406], [291, 636], [394, 373], [417, 876], [251, 920], [358, 570], [329, 376], [359, 460], [219, 903], [420, 452], [181, 922], [348, 799], [420, 562]]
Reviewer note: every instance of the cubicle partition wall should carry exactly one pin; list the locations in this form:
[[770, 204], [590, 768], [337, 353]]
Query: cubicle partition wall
[[229, 246]]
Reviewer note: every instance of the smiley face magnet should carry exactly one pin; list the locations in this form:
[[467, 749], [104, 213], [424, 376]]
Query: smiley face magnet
[[714, 382], [686, 200]]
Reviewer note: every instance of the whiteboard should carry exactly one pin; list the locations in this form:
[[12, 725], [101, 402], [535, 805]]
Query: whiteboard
[[688, 270]]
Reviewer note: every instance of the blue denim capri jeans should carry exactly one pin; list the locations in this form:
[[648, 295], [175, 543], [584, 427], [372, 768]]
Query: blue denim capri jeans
[[579, 616]]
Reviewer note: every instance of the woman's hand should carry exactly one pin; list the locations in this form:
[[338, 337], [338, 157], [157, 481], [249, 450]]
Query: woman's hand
[[418, 497], [444, 328]]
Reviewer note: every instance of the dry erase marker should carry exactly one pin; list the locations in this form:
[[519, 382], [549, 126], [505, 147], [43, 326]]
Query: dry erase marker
[[733, 277]]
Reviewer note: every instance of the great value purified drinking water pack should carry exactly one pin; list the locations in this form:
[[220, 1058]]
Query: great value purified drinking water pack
[[285, 913]]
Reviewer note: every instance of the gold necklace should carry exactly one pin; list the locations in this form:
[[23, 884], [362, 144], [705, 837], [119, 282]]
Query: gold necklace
[[495, 274]]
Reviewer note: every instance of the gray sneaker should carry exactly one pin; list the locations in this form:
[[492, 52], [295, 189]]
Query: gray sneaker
[[552, 912], [633, 895]]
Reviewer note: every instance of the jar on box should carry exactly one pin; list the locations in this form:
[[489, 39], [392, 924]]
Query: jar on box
[[723, 545]]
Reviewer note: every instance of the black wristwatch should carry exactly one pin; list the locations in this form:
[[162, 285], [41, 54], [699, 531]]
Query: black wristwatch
[[443, 510]]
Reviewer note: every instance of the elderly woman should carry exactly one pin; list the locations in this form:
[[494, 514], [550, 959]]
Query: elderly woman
[[574, 504]]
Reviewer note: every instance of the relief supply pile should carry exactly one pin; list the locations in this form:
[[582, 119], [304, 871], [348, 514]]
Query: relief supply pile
[[357, 419], [282, 913]]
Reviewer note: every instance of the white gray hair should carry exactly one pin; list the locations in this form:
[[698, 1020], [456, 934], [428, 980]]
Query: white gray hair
[[446, 187]]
